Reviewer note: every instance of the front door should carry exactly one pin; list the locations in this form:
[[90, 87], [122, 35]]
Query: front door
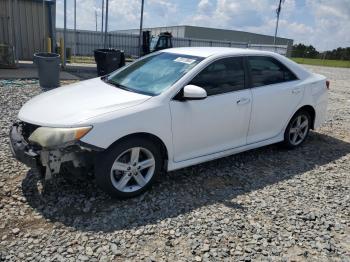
[[218, 122]]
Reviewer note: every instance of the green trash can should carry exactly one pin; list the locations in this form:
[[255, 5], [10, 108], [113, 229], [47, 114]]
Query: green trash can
[[48, 69]]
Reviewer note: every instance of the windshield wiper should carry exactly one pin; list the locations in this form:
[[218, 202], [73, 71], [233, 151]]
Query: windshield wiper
[[118, 85], [126, 88], [105, 77]]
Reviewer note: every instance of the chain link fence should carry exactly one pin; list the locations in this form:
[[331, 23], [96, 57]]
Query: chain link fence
[[81, 44], [184, 42]]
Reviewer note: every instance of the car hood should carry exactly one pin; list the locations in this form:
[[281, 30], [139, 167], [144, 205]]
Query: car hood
[[77, 103]]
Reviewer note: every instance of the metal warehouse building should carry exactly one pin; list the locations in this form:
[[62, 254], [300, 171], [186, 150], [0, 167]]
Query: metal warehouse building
[[26, 25], [186, 31]]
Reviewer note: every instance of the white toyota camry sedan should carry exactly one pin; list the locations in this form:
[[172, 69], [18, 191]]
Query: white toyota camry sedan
[[168, 110]]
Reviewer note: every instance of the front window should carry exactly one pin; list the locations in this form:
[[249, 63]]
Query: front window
[[222, 76], [153, 74]]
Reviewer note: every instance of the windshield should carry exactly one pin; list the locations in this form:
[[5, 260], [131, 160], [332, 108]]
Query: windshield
[[153, 74]]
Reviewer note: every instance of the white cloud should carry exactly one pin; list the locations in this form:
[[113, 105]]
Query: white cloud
[[232, 14], [205, 6], [326, 24], [122, 14], [332, 23], [322, 23]]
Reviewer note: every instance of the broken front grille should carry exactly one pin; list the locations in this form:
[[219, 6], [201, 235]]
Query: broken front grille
[[27, 129]]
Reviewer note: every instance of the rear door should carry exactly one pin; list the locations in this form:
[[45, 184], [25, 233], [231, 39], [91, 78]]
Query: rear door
[[276, 92], [218, 122]]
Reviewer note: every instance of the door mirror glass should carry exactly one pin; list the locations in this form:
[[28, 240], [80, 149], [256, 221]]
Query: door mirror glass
[[192, 92]]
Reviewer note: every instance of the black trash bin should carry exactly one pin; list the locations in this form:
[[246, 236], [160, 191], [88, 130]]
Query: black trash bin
[[108, 60], [48, 69]]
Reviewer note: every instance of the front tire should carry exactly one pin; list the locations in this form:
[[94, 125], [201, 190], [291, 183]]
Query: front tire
[[297, 130], [128, 168]]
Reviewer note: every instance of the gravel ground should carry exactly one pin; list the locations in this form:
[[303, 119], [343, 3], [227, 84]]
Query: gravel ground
[[267, 204]]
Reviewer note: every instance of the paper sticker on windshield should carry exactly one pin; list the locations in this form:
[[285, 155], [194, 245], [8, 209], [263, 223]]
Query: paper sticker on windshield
[[184, 60]]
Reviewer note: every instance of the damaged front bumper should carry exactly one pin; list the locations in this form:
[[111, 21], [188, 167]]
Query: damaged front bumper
[[21, 149], [49, 161]]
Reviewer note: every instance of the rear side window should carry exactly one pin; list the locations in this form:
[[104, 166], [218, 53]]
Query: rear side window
[[267, 71], [222, 76]]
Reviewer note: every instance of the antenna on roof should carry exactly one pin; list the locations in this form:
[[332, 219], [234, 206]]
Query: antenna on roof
[[278, 11]]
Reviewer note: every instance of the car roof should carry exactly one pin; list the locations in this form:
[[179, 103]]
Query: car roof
[[206, 52], [209, 51]]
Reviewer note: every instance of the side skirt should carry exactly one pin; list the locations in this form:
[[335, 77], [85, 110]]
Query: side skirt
[[177, 165]]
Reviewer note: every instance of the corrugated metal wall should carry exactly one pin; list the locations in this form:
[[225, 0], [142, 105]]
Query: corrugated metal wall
[[205, 36], [234, 35], [6, 23], [25, 25], [184, 42], [176, 31], [87, 41]]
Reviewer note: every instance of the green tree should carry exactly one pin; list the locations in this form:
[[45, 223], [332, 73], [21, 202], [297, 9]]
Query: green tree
[[301, 50]]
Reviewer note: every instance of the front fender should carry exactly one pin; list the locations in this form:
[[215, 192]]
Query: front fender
[[112, 127]]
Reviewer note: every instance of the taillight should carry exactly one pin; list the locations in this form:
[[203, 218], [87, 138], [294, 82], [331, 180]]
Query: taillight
[[327, 84]]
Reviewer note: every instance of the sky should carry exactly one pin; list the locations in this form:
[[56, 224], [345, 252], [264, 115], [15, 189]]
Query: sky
[[324, 24]]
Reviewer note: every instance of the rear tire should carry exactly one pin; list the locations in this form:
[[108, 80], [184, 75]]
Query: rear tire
[[128, 168], [297, 130]]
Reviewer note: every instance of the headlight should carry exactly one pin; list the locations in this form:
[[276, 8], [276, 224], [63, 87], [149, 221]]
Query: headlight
[[52, 136]]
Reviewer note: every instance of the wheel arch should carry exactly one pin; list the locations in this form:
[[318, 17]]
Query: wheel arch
[[311, 111], [163, 148]]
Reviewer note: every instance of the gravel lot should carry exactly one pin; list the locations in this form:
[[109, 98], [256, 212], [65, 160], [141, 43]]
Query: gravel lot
[[267, 204]]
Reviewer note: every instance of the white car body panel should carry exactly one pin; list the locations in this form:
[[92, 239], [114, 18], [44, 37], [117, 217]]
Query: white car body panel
[[205, 158], [71, 105], [221, 128], [277, 100], [190, 134], [151, 118]]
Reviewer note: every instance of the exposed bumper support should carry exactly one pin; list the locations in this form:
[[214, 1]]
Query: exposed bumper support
[[78, 153], [53, 159]]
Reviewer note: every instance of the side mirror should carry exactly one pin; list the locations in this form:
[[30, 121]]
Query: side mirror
[[192, 92]]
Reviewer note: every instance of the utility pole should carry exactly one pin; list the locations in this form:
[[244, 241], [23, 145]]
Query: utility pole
[[63, 48], [44, 23], [102, 21], [106, 26], [16, 30], [278, 11], [75, 28], [96, 19], [141, 23]]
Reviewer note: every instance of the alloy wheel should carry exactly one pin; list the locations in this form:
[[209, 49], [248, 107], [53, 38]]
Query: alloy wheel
[[298, 130], [132, 169]]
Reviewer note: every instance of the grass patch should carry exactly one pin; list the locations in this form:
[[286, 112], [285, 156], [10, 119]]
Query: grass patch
[[83, 59], [322, 62]]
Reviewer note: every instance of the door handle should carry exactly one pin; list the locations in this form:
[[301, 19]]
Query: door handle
[[243, 101], [296, 90]]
